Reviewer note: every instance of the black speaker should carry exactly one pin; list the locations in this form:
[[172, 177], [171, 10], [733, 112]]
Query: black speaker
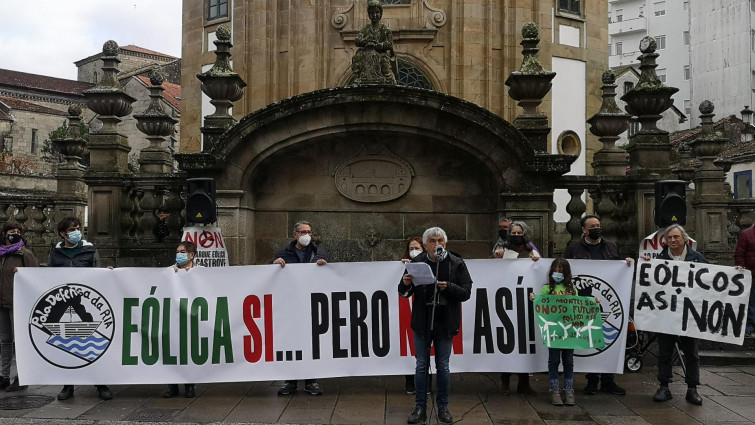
[[670, 203], [200, 202]]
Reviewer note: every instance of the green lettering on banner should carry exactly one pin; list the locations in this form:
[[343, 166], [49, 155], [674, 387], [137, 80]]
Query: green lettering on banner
[[221, 339], [150, 331], [199, 346], [569, 322], [128, 328], [167, 357]]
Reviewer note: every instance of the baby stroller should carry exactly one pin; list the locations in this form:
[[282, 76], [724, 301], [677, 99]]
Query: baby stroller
[[638, 344]]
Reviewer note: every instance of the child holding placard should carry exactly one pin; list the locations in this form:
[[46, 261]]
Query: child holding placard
[[560, 283]]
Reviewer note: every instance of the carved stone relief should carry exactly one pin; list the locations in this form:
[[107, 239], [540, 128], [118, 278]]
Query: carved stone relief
[[372, 237], [373, 178]]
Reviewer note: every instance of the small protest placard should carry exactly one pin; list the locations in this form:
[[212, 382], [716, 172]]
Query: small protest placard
[[569, 322], [211, 251], [699, 300]]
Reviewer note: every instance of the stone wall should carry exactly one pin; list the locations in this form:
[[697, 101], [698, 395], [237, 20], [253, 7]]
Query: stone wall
[[25, 124]]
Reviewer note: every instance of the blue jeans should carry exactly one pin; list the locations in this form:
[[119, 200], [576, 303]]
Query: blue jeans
[[555, 356], [422, 354]]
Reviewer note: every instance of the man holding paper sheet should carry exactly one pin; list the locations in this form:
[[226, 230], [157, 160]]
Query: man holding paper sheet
[[436, 318]]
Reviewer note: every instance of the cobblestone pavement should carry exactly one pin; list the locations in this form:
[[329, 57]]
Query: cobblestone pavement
[[729, 398]]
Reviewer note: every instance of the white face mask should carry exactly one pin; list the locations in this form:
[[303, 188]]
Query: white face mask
[[414, 252], [304, 240]]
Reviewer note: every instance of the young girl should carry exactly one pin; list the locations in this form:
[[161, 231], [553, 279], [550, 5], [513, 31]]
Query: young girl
[[560, 283]]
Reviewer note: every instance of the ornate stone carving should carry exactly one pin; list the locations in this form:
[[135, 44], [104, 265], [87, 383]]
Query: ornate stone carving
[[341, 17], [434, 17], [375, 61], [372, 237], [373, 178]]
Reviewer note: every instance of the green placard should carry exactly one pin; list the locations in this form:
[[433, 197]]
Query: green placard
[[569, 322]]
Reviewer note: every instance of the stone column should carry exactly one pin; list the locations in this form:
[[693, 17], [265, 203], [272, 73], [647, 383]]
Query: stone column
[[608, 124], [71, 195], [710, 202], [156, 124]]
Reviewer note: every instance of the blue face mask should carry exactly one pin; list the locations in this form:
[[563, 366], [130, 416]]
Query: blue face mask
[[557, 277], [182, 258], [74, 237]]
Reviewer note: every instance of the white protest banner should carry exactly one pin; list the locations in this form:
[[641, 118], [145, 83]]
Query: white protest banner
[[211, 250], [653, 244], [255, 323], [698, 300]]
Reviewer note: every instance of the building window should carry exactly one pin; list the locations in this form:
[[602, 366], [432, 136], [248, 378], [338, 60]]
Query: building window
[[743, 184], [660, 40], [33, 141], [642, 11], [687, 107], [628, 85], [661, 75], [217, 9], [619, 48], [659, 8], [570, 6], [687, 72], [409, 75], [619, 15], [752, 40], [686, 5], [685, 35]]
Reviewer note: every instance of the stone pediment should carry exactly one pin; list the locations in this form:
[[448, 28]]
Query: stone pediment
[[419, 20], [373, 178]]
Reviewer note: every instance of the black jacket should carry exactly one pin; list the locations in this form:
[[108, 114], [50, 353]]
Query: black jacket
[[578, 250], [87, 257], [692, 255], [311, 254], [452, 270]]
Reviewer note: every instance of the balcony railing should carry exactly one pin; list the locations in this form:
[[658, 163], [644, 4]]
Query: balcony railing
[[624, 59], [628, 26]]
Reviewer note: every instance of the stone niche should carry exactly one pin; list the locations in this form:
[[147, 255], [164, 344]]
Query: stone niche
[[373, 178]]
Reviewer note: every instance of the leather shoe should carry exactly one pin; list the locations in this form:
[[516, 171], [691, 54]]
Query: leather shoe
[[693, 397], [445, 416], [663, 394], [66, 392], [591, 388], [506, 384], [418, 416], [612, 388], [170, 391], [104, 392], [189, 391]]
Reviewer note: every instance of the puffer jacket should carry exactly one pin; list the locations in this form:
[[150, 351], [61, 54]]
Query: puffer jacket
[[21, 258], [744, 254], [87, 257]]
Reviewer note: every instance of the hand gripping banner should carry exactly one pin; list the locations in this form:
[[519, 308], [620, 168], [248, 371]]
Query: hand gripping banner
[[260, 323]]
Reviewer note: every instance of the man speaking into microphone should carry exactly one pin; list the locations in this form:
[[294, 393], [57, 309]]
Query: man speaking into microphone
[[436, 318]]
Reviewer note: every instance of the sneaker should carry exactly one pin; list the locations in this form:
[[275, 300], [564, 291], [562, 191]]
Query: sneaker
[[189, 391], [693, 397], [170, 391], [66, 392], [287, 388], [313, 388], [591, 388], [569, 397], [556, 397], [445, 416], [663, 394], [15, 387], [418, 416], [103, 392], [612, 388]]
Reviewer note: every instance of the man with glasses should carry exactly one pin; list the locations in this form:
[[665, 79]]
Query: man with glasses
[[593, 246], [301, 250]]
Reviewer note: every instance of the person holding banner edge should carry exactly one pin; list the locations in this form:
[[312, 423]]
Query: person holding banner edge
[[413, 248], [676, 249], [436, 319], [13, 254], [74, 251], [301, 250], [592, 246], [744, 257]]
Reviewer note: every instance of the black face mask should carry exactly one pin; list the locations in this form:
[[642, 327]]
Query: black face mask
[[594, 234], [14, 238], [517, 240], [502, 233]]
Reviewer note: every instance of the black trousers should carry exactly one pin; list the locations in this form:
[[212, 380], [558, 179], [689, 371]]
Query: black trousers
[[691, 359]]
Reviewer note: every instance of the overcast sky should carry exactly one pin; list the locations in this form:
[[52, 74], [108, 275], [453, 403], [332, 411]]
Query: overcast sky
[[47, 36]]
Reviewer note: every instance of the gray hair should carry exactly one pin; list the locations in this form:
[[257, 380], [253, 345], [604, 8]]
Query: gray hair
[[433, 232], [685, 236], [502, 219], [525, 229], [299, 223]]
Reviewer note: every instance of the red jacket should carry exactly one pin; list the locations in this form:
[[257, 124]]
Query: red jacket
[[744, 254]]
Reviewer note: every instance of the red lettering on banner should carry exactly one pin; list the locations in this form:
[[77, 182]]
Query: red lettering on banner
[[205, 239], [269, 328], [405, 333], [253, 341]]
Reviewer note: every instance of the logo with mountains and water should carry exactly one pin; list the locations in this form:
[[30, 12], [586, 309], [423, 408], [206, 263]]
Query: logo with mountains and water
[[71, 326]]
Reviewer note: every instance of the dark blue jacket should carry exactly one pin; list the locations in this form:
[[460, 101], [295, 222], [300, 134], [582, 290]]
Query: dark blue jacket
[[87, 257], [692, 255], [311, 254]]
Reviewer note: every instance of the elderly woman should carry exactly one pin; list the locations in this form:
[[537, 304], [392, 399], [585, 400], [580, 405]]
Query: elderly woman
[[13, 254]]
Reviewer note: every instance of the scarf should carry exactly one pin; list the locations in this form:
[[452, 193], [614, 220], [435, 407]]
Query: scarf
[[8, 249]]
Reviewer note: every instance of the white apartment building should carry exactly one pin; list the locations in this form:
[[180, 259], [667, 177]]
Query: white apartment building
[[668, 21]]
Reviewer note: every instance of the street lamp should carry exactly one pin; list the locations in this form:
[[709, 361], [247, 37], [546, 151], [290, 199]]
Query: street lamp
[[748, 129]]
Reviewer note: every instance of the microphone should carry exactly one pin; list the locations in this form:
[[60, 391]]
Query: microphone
[[438, 250]]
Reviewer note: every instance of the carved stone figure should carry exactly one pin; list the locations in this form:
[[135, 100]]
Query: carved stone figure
[[375, 60], [372, 237]]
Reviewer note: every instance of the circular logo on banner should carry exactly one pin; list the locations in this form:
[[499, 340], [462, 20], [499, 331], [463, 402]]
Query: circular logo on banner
[[612, 311], [71, 326]]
